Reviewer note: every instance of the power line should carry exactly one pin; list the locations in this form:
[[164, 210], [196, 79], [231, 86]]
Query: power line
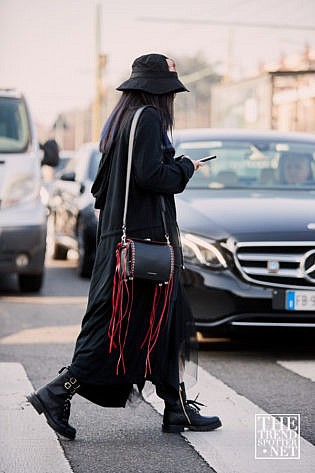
[[229, 23]]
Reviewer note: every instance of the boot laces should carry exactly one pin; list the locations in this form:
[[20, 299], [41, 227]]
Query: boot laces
[[193, 405]]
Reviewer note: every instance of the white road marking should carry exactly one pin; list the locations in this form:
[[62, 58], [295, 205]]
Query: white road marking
[[50, 334], [27, 443], [305, 368], [231, 448], [51, 300]]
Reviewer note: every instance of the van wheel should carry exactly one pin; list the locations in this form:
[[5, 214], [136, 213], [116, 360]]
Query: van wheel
[[59, 252], [30, 282]]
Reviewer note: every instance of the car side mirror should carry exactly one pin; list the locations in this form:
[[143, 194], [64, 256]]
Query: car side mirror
[[68, 176], [51, 153]]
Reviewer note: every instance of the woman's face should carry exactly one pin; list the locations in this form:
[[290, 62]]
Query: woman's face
[[296, 170]]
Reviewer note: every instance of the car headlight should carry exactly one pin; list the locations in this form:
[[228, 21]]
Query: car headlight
[[22, 188], [200, 251]]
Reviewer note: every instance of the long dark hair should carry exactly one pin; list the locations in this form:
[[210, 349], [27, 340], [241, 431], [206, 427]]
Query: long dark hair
[[129, 101]]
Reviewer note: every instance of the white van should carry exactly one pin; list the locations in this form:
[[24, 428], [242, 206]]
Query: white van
[[23, 217]]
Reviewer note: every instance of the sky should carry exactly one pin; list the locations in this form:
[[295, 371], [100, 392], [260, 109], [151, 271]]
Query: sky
[[47, 48]]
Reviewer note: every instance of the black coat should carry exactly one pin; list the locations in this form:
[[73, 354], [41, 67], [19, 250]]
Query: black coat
[[154, 172]]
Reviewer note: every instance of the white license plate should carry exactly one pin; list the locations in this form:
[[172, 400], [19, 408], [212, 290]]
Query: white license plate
[[300, 300]]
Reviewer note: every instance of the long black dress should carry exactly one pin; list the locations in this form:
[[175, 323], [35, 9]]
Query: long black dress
[[154, 172]]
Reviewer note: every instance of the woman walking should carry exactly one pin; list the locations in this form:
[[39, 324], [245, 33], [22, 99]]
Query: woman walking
[[112, 356]]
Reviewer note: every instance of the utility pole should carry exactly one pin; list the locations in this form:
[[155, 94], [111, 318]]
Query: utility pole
[[100, 62]]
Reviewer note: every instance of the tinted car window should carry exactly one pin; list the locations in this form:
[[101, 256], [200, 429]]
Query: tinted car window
[[14, 128], [265, 164]]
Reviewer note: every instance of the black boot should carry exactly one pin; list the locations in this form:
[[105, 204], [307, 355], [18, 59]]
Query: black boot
[[185, 414], [53, 400]]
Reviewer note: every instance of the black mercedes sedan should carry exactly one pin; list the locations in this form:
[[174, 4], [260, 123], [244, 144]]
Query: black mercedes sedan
[[247, 221]]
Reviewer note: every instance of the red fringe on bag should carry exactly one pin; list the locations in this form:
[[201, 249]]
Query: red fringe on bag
[[122, 301]]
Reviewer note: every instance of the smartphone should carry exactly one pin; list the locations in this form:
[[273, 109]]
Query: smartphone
[[206, 158]]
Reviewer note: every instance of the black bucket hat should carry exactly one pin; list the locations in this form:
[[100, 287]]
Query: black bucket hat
[[151, 74]]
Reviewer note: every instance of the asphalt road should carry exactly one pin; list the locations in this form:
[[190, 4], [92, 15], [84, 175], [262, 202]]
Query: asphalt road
[[39, 331]]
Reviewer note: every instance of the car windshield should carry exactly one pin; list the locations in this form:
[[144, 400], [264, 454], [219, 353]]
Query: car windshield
[[14, 129], [256, 164]]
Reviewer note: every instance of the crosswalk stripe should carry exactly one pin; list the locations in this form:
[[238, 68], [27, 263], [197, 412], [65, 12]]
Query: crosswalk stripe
[[27, 443], [305, 368], [44, 300], [232, 447], [49, 334]]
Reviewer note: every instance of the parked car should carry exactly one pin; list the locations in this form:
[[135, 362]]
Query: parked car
[[23, 217], [73, 219], [52, 173], [247, 221]]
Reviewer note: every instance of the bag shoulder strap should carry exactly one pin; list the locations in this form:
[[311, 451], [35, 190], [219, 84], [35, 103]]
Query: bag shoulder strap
[[129, 163]]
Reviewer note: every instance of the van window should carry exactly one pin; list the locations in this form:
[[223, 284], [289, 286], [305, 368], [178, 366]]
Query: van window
[[14, 127]]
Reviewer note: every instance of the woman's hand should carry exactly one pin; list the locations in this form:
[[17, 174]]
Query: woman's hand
[[197, 164]]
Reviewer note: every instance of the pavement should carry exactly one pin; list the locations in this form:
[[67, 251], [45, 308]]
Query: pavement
[[28, 445]]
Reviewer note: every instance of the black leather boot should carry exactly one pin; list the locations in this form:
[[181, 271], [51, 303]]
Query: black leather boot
[[53, 400], [185, 414]]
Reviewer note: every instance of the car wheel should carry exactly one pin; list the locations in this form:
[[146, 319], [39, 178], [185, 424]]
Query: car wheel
[[30, 282], [59, 252], [85, 261]]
